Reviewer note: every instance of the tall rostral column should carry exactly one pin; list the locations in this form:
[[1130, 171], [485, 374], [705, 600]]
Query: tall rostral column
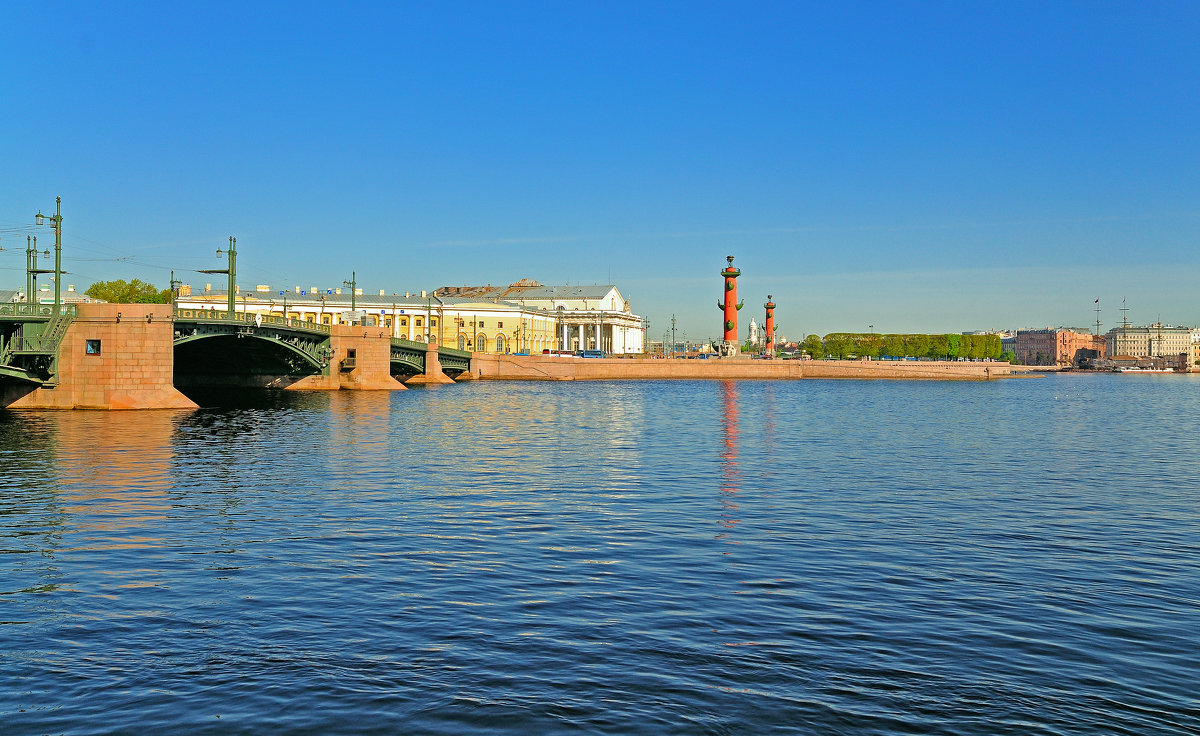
[[770, 326], [730, 307]]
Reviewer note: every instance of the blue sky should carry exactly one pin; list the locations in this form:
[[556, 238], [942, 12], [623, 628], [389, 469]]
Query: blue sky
[[913, 166]]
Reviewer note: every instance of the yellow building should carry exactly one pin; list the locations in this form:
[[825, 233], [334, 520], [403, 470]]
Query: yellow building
[[486, 326]]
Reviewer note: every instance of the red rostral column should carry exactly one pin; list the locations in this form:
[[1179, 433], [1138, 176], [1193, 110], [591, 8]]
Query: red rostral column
[[770, 305], [730, 306]]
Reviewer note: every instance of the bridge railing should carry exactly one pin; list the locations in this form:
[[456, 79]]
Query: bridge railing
[[256, 319], [417, 345], [26, 309], [455, 352], [403, 342]]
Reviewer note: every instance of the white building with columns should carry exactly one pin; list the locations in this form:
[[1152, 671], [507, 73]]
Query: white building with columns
[[587, 317]]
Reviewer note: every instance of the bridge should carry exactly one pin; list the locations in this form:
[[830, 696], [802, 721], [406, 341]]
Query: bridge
[[29, 339], [122, 346]]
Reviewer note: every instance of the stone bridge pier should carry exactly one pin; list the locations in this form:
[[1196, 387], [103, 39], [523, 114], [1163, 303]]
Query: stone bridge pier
[[361, 360], [433, 367], [112, 356]]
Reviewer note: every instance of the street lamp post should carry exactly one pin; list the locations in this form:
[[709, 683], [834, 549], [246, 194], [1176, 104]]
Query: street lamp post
[[231, 254], [175, 284], [32, 270], [441, 319], [353, 284], [56, 223], [30, 264]]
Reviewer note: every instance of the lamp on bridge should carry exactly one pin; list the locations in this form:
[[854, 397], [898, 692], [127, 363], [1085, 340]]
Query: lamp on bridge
[[353, 284], [56, 223], [31, 268], [232, 271]]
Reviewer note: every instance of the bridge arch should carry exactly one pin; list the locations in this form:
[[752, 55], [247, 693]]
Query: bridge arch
[[243, 358]]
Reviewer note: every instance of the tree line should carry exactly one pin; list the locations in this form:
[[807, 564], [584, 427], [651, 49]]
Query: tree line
[[128, 292], [841, 345]]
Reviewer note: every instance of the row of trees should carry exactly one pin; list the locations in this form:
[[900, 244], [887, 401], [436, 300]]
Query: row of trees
[[128, 292], [939, 347]]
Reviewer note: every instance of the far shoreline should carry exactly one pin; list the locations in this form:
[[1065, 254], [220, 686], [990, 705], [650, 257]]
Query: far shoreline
[[570, 368]]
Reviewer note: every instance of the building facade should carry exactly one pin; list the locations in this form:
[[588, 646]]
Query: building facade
[[1059, 347], [585, 317], [468, 324], [1155, 341]]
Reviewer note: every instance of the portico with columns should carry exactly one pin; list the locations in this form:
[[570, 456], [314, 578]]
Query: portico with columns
[[586, 317]]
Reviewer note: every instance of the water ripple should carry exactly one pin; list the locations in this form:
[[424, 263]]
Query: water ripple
[[663, 557]]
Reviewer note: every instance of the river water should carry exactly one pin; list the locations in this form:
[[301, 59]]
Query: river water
[[810, 557]]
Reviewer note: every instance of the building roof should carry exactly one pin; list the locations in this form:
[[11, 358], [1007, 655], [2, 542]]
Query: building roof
[[527, 289], [361, 301]]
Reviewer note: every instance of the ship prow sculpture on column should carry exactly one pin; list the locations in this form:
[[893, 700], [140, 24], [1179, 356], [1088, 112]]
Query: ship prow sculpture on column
[[729, 347]]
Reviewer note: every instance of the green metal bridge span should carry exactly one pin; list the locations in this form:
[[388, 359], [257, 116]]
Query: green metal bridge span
[[208, 344], [30, 336], [222, 342]]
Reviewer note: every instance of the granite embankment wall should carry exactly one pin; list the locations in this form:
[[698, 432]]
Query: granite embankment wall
[[548, 368]]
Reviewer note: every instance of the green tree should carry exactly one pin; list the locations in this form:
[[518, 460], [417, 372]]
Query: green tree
[[813, 346], [953, 346], [894, 345], [866, 345], [837, 344], [939, 346], [916, 345], [128, 292], [969, 346]]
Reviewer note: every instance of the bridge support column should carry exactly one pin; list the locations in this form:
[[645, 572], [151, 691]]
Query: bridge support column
[[361, 361], [433, 367], [113, 356]]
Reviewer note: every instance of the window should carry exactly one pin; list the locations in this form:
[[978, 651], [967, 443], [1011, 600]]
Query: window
[[404, 321], [499, 343], [418, 323], [462, 342], [500, 325], [481, 342], [433, 321], [92, 347], [325, 319]]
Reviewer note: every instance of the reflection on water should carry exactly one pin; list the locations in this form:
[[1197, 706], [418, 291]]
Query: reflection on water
[[31, 517], [540, 558], [730, 473], [114, 473]]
